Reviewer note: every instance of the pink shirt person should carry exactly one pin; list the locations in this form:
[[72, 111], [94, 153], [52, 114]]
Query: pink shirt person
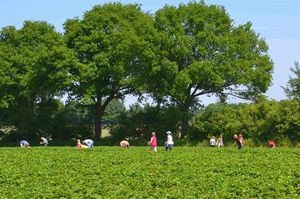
[[153, 142], [79, 145]]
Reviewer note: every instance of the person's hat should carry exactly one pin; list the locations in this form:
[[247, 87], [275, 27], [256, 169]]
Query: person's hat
[[168, 132]]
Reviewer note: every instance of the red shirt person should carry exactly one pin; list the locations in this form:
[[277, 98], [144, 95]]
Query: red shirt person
[[238, 141], [271, 144]]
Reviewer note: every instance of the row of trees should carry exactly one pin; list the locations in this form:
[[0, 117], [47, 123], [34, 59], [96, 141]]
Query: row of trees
[[258, 122], [175, 56]]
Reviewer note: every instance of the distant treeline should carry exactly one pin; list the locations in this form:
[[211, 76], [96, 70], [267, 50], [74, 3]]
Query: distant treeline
[[258, 122]]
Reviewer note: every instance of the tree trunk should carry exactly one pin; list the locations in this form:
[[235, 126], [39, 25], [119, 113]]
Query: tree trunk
[[98, 118], [184, 123]]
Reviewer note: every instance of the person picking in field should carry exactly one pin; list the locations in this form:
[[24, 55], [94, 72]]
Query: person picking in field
[[124, 144], [88, 142], [80, 146], [153, 142], [238, 141], [169, 143], [44, 141], [212, 141], [271, 144], [24, 144]]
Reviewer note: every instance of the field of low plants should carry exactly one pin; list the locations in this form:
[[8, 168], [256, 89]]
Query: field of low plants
[[186, 172]]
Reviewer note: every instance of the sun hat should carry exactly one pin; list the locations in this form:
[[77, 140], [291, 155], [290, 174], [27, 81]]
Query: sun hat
[[168, 132]]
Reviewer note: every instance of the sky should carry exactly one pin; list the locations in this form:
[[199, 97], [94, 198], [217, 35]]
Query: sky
[[277, 21]]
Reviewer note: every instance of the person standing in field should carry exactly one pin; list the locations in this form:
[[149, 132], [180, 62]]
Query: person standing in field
[[271, 144], [153, 142], [220, 141], [238, 141], [24, 144], [88, 142], [124, 144], [212, 141], [44, 141], [169, 143]]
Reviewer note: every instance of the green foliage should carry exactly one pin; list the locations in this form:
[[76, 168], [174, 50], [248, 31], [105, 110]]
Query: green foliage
[[39, 61], [216, 120], [34, 67], [293, 88], [111, 172], [109, 44], [200, 52], [260, 122], [73, 121], [139, 122], [113, 112]]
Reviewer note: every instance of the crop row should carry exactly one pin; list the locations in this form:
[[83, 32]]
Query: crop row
[[186, 172]]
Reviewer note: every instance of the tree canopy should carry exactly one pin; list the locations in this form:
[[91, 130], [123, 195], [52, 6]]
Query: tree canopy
[[201, 52], [293, 88], [35, 65], [109, 44]]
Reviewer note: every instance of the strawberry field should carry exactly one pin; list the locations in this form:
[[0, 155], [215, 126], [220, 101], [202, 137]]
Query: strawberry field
[[186, 172]]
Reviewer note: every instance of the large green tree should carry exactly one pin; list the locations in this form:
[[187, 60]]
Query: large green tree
[[200, 52], [110, 44], [293, 88], [34, 68]]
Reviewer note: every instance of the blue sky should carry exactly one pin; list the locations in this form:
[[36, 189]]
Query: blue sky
[[277, 21]]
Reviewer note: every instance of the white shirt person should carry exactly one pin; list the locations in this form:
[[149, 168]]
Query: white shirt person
[[124, 144], [169, 143], [24, 144], [88, 142], [212, 141], [44, 141]]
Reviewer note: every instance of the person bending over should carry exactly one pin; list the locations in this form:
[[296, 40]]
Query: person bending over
[[124, 144]]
